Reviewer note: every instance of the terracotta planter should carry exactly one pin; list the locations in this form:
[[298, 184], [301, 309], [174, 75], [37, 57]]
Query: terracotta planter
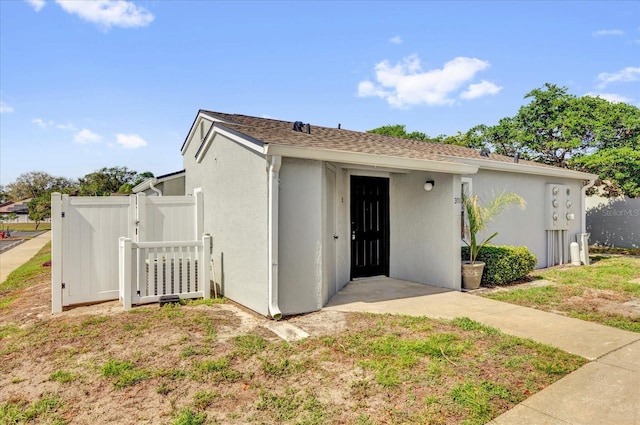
[[472, 274]]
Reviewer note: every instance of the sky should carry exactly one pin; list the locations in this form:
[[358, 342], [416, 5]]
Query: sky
[[92, 84]]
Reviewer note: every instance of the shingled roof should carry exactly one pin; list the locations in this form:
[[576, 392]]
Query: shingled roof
[[281, 133]]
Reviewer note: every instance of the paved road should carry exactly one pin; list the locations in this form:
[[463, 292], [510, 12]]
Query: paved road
[[17, 238]]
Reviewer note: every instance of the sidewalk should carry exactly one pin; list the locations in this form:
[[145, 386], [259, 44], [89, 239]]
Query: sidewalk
[[17, 256], [605, 391]]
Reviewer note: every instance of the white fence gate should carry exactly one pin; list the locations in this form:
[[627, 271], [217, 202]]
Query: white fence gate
[[86, 233]]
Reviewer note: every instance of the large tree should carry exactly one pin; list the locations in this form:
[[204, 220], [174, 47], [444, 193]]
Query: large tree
[[399, 130], [106, 181], [36, 183], [585, 133]]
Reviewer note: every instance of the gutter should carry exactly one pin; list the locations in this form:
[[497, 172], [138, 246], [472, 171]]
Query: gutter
[[274, 162], [519, 167], [448, 165], [152, 187]]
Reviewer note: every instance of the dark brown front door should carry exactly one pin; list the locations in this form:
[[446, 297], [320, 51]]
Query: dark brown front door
[[369, 226]]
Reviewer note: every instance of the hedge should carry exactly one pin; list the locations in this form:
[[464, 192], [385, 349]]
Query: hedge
[[505, 264]]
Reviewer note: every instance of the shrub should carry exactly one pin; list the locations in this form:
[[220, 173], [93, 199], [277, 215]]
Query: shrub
[[504, 264]]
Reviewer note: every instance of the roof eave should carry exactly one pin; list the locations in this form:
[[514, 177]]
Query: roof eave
[[359, 158], [487, 164], [144, 185]]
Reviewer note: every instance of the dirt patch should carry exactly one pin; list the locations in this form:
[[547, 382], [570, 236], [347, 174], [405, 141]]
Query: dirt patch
[[600, 300]]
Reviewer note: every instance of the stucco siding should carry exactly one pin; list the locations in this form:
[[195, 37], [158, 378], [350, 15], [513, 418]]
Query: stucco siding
[[173, 187], [234, 183], [300, 244], [527, 227], [425, 229], [343, 229]]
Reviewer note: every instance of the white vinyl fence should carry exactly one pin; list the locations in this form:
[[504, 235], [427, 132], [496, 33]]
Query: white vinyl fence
[[86, 234], [150, 270]]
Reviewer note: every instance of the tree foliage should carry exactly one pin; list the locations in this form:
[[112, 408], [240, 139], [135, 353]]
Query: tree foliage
[[584, 133], [399, 130], [36, 183], [106, 181], [40, 208], [557, 128]]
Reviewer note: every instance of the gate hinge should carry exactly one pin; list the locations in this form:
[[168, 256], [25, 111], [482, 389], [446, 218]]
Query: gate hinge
[[62, 214], [64, 285]]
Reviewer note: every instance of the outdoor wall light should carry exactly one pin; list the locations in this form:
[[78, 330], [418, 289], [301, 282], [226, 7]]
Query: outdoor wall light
[[428, 185]]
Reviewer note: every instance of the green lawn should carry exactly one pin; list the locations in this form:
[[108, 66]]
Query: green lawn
[[596, 293]]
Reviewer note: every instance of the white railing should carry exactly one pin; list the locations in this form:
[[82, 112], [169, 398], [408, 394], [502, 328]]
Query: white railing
[[150, 270]]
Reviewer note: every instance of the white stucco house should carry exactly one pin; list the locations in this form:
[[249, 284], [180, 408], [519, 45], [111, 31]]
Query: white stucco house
[[296, 211]]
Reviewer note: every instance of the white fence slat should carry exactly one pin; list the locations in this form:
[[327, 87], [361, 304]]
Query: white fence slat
[[56, 253], [205, 264], [126, 271]]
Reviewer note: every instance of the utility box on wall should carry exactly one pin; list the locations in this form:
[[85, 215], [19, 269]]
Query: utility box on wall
[[559, 207]]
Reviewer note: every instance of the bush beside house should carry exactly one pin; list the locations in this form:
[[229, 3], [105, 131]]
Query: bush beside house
[[504, 264]]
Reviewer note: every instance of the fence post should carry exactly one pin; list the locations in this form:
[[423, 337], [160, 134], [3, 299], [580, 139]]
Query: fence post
[[206, 266], [125, 285], [56, 253], [199, 214], [134, 219]]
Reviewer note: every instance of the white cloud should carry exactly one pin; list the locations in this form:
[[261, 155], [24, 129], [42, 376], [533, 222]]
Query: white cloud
[[483, 88], [396, 40], [70, 127], [4, 108], [611, 97], [37, 5], [625, 75], [108, 13], [50, 123], [42, 123], [406, 83], [601, 33], [86, 136], [131, 141]]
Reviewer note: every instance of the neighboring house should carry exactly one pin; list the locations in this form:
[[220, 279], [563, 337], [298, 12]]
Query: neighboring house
[[21, 208], [171, 184], [296, 211]]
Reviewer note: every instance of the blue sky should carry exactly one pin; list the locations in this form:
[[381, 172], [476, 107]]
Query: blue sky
[[86, 85]]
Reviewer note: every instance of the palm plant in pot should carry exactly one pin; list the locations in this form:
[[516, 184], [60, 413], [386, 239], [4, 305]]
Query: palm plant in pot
[[478, 216]]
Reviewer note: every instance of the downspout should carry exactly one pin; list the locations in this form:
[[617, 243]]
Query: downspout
[[583, 204], [151, 182], [274, 162]]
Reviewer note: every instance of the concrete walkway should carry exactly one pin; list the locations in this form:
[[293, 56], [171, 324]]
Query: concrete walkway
[[17, 256], [605, 391]]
